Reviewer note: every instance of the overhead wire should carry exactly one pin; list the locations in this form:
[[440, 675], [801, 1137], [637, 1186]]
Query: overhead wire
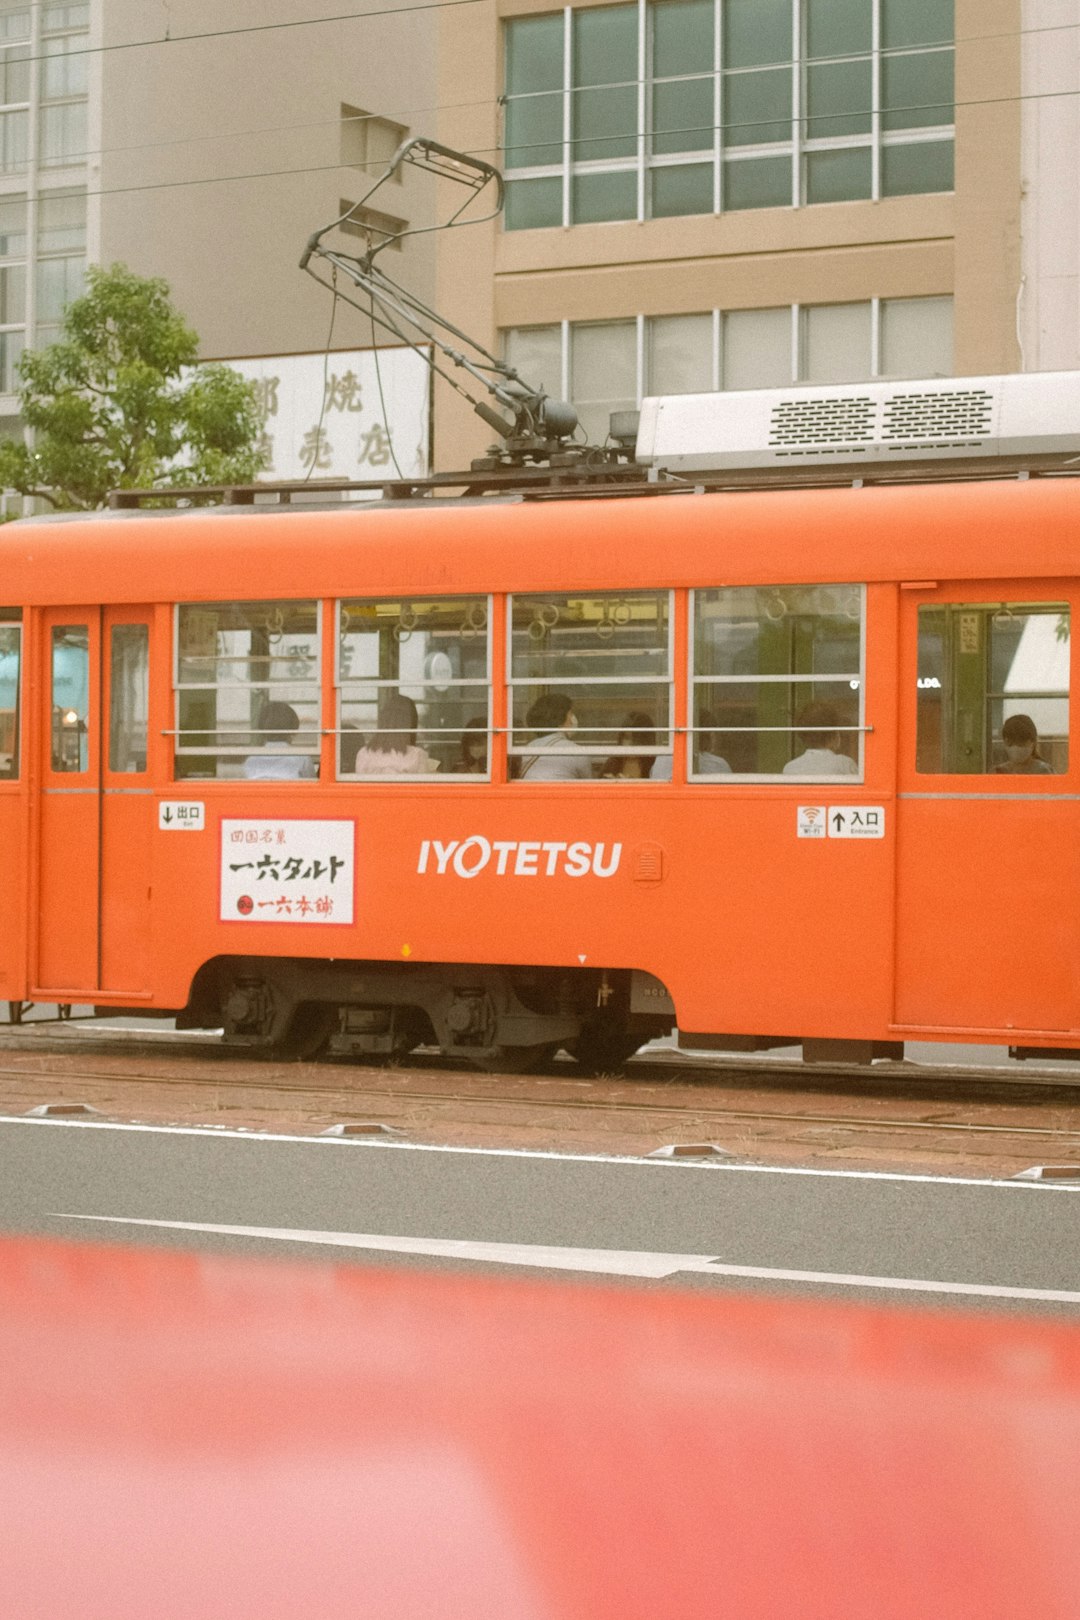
[[498, 151], [438, 5], [316, 448], [170, 39]]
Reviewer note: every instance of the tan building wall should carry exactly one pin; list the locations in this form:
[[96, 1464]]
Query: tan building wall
[[964, 243], [220, 155], [1049, 313]]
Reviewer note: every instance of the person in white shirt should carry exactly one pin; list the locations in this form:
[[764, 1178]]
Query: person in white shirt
[[278, 761], [393, 749], [553, 754], [819, 731], [705, 762]]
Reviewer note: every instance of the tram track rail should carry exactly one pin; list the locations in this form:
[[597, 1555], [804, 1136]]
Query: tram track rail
[[534, 1094]]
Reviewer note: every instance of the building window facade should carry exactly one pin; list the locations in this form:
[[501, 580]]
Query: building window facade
[[61, 258], [14, 88], [43, 155], [702, 106], [605, 366]]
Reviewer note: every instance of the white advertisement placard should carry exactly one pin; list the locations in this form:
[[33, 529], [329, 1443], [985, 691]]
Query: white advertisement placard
[[288, 871], [343, 415]]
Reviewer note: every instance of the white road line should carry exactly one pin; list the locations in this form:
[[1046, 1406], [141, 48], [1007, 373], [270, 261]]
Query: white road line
[[604, 1262], [714, 1167]]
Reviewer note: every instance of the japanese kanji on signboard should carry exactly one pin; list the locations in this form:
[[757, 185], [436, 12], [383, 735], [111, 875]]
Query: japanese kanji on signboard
[[287, 871]]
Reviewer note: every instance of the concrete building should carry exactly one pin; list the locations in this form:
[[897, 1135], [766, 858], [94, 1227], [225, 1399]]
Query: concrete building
[[1048, 296], [700, 193], [204, 144], [737, 193]]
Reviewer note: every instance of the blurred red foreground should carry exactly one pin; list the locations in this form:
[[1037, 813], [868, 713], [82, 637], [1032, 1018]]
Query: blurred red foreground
[[202, 1437]]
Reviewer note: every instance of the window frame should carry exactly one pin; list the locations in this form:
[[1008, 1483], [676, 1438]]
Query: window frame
[[389, 684], [595, 751], [770, 778], [797, 150], [981, 597], [240, 751], [797, 316], [12, 619]]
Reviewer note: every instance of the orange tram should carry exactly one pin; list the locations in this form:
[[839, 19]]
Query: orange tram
[[509, 775]]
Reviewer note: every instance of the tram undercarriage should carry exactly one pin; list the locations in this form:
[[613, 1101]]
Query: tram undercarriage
[[498, 1018]]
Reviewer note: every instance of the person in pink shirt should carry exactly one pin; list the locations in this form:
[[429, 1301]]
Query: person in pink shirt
[[392, 749]]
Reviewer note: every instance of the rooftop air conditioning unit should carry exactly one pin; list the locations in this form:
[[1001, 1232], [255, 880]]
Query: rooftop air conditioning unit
[[1037, 413]]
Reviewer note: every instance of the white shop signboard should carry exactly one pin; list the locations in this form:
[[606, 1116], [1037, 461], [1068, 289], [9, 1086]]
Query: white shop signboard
[[287, 870], [345, 415]]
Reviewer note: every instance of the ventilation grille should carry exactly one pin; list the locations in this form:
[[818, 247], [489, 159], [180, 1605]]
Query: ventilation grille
[[952, 415], [821, 422], [648, 863]]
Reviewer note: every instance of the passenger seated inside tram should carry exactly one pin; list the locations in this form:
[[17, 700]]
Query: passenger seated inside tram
[[707, 762], [472, 760], [553, 755], [1020, 738], [819, 732], [638, 733], [279, 762], [393, 749]]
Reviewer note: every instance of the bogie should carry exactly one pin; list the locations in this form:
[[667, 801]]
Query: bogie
[[501, 1021]]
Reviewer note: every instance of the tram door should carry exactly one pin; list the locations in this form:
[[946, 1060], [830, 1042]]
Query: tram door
[[988, 814], [92, 865]]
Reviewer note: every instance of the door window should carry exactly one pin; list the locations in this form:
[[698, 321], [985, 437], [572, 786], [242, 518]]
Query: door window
[[70, 701], [993, 688], [10, 684], [129, 696]]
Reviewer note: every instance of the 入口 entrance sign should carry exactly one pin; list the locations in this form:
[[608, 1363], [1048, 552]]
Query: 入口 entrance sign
[[840, 821]]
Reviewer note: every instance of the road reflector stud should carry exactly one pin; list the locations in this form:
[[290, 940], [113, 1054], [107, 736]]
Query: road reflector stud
[[691, 1150], [63, 1110], [1049, 1172], [362, 1127]]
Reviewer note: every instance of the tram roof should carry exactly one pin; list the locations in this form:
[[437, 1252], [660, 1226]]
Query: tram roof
[[970, 530]]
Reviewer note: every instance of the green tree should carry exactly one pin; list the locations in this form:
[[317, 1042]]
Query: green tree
[[118, 402]]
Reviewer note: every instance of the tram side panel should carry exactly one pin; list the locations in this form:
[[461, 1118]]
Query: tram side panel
[[752, 928]]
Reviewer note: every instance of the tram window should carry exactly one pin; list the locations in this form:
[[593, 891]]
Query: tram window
[[778, 683], [70, 704], [414, 687], [10, 683], [602, 663], [244, 672], [129, 696], [993, 677]]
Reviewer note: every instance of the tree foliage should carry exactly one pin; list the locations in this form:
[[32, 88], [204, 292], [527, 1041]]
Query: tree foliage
[[119, 402]]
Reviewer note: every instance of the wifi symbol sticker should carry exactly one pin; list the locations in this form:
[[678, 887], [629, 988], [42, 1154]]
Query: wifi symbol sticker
[[812, 820]]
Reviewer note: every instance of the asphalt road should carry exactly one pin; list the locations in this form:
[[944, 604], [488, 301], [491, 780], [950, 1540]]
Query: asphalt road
[[910, 1239]]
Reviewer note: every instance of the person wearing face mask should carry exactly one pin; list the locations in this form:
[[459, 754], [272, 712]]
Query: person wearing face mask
[[1021, 742], [553, 754]]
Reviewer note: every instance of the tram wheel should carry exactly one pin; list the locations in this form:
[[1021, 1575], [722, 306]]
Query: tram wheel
[[603, 1049], [308, 1034], [515, 1059]]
